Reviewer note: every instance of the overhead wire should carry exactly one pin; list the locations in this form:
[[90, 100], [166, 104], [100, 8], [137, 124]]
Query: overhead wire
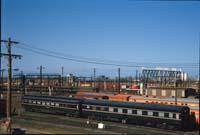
[[70, 57], [97, 59], [77, 60]]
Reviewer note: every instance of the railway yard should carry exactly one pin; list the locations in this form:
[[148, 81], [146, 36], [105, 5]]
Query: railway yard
[[43, 123], [99, 67]]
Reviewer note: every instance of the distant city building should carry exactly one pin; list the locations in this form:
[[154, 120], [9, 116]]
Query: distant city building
[[70, 78], [163, 81]]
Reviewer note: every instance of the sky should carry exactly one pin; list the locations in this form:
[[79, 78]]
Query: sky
[[117, 30]]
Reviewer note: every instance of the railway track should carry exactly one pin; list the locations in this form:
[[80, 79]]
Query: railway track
[[64, 126], [79, 125]]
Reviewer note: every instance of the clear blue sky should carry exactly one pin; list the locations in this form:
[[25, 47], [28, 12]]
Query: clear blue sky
[[119, 30]]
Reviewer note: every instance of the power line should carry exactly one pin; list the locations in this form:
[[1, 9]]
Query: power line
[[101, 61], [96, 59], [93, 62], [77, 60], [67, 55]]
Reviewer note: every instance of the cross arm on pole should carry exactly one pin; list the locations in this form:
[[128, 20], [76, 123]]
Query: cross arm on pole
[[12, 55], [5, 41]]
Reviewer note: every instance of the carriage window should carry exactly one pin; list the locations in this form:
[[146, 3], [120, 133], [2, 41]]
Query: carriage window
[[25, 101], [161, 114], [150, 113], [92, 107], [88, 107], [124, 110], [38, 102], [34, 102], [52, 104], [71, 106], [43, 103], [110, 109], [144, 112], [129, 111], [179, 116], [174, 115], [105, 108], [115, 110], [155, 113], [47, 103], [166, 115], [62, 105], [134, 111], [57, 104], [98, 108], [84, 107]]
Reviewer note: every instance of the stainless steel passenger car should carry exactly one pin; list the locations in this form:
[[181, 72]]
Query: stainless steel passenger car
[[159, 115]]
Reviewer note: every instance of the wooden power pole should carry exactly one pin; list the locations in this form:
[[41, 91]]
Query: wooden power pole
[[41, 67], [119, 79], [62, 75], [9, 79], [0, 44], [94, 79]]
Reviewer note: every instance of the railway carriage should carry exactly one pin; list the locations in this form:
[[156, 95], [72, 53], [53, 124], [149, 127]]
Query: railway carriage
[[52, 104], [193, 104], [127, 112], [138, 113]]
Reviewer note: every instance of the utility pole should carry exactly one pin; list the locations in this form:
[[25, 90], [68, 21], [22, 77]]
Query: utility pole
[[175, 88], [62, 75], [41, 67], [131, 80], [94, 79], [136, 77], [41, 79], [119, 79], [9, 79], [199, 70], [0, 40], [23, 79]]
